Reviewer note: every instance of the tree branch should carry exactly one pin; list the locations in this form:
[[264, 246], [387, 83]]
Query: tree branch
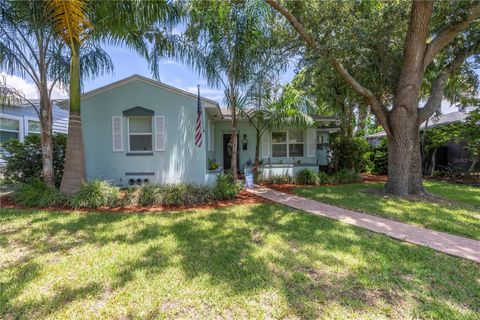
[[377, 107], [438, 86], [448, 34]]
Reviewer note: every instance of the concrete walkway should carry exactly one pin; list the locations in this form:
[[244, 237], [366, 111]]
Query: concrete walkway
[[440, 241]]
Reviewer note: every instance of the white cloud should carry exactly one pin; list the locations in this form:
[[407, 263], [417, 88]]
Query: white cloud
[[29, 89], [169, 62]]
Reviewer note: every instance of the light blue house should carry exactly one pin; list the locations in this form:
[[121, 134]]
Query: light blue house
[[138, 130]]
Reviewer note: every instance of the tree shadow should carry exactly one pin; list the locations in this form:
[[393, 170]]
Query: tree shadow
[[311, 261]]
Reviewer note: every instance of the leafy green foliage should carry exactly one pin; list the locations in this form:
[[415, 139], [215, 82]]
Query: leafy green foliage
[[212, 165], [379, 158], [35, 193], [347, 153], [183, 194], [95, 194], [23, 160], [306, 176], [346, 176], [226, 187], [324, 178]]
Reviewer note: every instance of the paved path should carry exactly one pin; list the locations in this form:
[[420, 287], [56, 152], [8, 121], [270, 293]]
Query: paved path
[[440, 241]]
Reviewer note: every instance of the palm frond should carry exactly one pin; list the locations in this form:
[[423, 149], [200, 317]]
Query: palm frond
[[69, 19]]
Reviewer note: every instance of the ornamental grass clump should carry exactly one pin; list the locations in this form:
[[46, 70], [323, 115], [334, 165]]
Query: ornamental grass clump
[[306, 176], [35, 193], [94, 194]]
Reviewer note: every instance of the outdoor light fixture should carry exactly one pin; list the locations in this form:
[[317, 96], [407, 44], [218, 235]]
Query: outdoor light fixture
[[244, 142]]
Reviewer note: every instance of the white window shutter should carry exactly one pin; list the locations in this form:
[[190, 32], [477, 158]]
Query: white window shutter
[[159, 133], [311, 142], [211, 133], [117, 133], [265, 145]]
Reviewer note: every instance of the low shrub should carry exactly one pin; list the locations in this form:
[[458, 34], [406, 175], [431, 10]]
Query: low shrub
[[94, 194], [226, 187], [346, 176], [349, 153], [306, 176], [281, 179], [324, 178], [35, 193], [183, 194], [23, 160], [379, 158]]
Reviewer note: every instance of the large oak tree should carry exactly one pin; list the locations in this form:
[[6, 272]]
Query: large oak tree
[[436, 36]]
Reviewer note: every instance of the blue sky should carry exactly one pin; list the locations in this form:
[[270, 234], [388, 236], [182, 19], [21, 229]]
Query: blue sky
[[173, 73]]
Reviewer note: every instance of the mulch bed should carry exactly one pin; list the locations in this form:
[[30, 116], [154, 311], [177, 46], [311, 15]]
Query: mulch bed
[[288, 187], [243, 198]]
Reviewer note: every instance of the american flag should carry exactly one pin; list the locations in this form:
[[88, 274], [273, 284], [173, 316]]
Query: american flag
[[198, 126]]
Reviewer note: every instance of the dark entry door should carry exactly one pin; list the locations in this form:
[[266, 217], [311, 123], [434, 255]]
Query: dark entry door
[[227, 151]]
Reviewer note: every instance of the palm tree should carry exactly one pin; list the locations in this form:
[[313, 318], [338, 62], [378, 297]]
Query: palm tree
[[29, 47], [121, 22], [272, 111], [223, 43]]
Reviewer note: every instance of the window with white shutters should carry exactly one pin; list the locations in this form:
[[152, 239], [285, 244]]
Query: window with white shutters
[[117, 133]]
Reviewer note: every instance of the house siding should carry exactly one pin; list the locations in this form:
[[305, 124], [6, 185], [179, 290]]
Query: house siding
[[244, 127], [60, 117], [181, 161], [25, 113]]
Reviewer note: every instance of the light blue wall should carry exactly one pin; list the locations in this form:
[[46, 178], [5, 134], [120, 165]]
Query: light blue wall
[[244, 127], [225, 127], [181, 161]]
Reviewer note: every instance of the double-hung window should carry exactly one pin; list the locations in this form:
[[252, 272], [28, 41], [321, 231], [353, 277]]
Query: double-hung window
[[140, 134], [10, 128], [289, 143], [295, 143], [33, 127], [279, 144]]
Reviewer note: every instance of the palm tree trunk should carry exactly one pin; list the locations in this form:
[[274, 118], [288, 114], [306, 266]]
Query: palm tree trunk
[[257, 152], [74, 173]]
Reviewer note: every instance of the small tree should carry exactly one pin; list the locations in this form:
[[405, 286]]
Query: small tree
[[291, 108]]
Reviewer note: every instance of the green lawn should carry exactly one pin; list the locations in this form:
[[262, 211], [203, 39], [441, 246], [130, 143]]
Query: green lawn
[[252, 261], [460, 217]]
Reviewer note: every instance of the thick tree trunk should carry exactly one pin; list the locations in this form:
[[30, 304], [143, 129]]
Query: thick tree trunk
[[46, 138], [404, 158], [74, 173]]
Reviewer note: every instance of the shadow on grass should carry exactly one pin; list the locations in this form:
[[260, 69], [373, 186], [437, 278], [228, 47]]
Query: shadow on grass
[[313, 262]]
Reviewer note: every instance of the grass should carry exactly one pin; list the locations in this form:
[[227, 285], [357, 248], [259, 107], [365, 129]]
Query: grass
[[455, 192], [459, 217], [251, 261]]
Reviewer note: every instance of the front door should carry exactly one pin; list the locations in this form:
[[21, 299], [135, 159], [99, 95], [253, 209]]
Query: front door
[[227, 151]]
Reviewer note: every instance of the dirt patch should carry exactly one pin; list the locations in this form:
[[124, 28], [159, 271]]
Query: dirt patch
[[243, 198]]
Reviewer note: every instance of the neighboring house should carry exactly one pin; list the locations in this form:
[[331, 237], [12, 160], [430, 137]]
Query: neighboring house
[[451, 155], [16, 122], [140, 130]]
